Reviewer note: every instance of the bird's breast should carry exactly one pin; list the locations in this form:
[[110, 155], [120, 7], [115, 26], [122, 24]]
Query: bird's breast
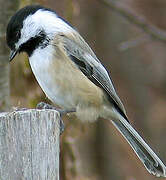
[[62, 81], [45, 74]]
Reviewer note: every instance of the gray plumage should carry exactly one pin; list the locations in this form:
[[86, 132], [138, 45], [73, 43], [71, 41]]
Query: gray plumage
[[150, 160]]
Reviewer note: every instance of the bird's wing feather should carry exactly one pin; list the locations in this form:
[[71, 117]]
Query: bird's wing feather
[[84, 58]]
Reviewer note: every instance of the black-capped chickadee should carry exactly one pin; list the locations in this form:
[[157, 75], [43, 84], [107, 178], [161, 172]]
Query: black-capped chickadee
[[71, 75]]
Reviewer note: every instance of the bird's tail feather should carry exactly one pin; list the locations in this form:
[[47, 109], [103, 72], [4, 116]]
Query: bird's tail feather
[[150, 160]]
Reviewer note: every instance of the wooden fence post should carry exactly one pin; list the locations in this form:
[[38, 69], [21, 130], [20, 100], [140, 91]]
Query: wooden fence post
[[29, 145]]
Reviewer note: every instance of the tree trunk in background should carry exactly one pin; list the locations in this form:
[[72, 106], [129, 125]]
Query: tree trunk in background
[[99, 36], [7, 8]]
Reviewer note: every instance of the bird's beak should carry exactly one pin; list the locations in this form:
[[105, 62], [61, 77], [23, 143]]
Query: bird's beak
[[13, 53]]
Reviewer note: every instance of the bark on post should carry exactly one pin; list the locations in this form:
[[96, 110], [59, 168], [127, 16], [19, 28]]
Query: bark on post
[[29, 145]]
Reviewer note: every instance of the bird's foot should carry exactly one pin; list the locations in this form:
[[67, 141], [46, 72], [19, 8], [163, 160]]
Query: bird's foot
[[43, 105]]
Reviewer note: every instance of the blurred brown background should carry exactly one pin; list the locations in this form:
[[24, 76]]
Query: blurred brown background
[[137, 65]]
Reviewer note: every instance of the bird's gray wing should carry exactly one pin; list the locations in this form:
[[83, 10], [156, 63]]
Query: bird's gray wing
[[84, 58]]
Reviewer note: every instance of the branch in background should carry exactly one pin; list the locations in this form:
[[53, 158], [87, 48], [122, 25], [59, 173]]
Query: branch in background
[[139, 21], [134, 42]]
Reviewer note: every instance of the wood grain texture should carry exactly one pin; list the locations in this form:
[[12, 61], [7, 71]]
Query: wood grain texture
[[29, 145]]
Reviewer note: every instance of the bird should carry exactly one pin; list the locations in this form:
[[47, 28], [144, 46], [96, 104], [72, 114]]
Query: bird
[[71, 75]]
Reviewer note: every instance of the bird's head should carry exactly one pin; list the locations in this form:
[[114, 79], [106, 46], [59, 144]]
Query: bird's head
[[33, 27]]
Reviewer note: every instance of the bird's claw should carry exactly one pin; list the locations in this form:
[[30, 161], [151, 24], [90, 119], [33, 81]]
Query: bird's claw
[[43, 105]]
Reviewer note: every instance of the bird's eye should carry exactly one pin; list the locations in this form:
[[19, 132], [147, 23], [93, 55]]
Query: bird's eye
[[18, 34]]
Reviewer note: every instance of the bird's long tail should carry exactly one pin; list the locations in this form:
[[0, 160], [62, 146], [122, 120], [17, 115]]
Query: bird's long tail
[[150, 160]]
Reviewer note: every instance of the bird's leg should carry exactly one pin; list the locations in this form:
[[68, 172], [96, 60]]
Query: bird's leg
[[43, 105]]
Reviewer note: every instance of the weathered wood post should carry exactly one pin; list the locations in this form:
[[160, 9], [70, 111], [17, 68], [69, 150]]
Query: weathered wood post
[[29, 145]]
